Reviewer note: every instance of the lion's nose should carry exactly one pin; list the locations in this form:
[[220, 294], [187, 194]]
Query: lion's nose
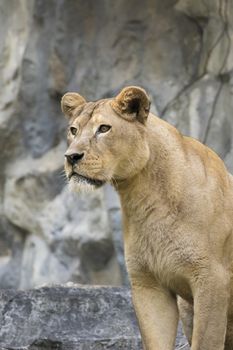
[[74, 158]]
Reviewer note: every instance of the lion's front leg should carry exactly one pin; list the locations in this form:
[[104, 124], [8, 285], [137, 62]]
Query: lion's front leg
[[157, 314], [211, 297]]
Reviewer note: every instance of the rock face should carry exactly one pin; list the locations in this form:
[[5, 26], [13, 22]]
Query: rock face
[[180, 51], [70, 318], [204, 108]]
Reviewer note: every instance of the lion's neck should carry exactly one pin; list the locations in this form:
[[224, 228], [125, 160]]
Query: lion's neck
[[152, 190], [140, 193]]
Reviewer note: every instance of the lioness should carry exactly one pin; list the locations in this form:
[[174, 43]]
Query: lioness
[[177, 204]]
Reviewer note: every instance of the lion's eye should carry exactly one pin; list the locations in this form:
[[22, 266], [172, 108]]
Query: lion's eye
[[103, 128], [73, 130]]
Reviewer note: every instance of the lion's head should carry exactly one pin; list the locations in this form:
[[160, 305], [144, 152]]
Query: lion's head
[[107, 139]]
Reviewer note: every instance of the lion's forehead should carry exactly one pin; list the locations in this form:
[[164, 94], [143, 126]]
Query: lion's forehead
[[92, 111], [85, 110]]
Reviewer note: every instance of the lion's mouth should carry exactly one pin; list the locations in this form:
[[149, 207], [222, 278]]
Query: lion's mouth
[[86, 180]]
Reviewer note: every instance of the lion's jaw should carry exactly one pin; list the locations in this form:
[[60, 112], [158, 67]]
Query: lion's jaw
[[77, 184]]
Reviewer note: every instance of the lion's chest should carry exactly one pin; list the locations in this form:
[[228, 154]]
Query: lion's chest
[[158, 252]]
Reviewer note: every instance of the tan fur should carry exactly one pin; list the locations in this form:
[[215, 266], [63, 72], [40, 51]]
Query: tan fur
[[177, 204]]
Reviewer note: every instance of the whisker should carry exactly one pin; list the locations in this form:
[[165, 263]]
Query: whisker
[[62, 175], [114, 180]]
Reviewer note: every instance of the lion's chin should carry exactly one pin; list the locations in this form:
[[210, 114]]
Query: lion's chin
[[80, 188], [79, 183]]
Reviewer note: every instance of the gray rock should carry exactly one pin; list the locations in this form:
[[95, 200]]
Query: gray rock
[[66, 236], [76, 317], [114, 211], [204, 108]]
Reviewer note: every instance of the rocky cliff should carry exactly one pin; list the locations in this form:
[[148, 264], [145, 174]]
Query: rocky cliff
[[181, 52]]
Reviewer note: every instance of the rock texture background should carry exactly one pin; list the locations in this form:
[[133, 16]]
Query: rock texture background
[[180, 51]]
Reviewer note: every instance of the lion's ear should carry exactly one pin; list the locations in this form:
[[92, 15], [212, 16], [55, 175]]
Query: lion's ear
[[132, 103], [70, 101]]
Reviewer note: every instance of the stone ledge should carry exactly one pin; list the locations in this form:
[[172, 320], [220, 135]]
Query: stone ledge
[[70, 318]]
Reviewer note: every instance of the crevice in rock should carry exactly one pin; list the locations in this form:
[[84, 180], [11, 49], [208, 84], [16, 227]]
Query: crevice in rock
[[212, 113]]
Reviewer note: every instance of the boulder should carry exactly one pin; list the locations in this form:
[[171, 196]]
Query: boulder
[[70, 318]]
